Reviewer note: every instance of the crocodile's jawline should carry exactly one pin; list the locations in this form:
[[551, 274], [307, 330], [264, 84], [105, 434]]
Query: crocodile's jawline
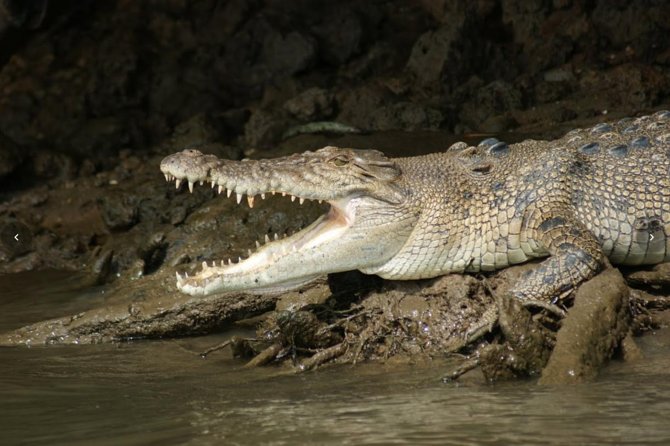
[[353, 182]]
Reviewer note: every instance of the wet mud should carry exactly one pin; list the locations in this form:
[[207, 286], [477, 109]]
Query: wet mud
[[96, 94]]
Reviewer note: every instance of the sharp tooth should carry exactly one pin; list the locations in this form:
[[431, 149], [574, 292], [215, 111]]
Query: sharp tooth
[[258, 244], [273, 192], [320, 201], [229, 192], [302, 200], [283, 194], [230, 262], [267, 239], [239, 260], [177, 183], [190, 186], [186, 274], [276, 236], [179, 278], [220, 189], [167, 176], [249, 252], [201, 182], [292, 197], [239, 198], [204, 265], [250, 200], [262, 196], [214, 184]]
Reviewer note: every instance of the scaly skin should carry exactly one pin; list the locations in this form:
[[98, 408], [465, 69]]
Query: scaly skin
[[593, 194]]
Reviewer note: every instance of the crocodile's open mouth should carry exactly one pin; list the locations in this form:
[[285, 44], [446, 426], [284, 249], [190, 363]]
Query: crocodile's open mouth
[[327, 228]]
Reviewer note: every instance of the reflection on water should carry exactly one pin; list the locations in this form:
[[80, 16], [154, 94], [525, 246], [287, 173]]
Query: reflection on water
[[161, 392]]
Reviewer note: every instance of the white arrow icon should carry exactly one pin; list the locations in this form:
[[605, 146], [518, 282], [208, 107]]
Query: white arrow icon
[[651, 237], [16, 237]]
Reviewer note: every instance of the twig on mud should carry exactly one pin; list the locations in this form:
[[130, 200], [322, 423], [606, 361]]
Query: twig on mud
[[217, 347], [264, 357], [322, 357], [460, 370]]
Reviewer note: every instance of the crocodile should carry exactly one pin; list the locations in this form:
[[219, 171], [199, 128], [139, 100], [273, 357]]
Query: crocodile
[[594, 195]]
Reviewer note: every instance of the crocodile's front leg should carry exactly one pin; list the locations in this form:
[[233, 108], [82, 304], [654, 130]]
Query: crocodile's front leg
[[575, 256]]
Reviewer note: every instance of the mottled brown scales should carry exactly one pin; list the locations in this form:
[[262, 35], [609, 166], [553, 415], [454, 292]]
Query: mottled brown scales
[[596, 193]]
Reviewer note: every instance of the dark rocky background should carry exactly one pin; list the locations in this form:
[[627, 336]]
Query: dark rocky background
[[82, 81]]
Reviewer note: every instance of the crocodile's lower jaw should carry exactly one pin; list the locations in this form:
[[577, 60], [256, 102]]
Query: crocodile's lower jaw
[[273, 267], [220, 283]]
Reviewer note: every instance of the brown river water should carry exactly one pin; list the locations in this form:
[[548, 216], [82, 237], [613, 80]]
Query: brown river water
[[162, 392]]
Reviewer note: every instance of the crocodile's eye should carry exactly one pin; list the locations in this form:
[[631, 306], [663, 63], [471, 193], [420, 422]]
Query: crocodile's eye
[[339, 161]]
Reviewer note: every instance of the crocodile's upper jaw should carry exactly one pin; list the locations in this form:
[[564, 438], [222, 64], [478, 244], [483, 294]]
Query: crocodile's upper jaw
[[337, 241]]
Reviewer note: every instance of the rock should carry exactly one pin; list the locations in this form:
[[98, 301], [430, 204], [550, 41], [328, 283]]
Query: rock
[[288, 54], [102, 136], [119, 210], [558, 75], [313, 104], [51, 164], [358, 104], [488, 103], [594, 328], [196, 131], [435, 56], [340, 34], [406, 116], [264, 129], [11, 156]]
